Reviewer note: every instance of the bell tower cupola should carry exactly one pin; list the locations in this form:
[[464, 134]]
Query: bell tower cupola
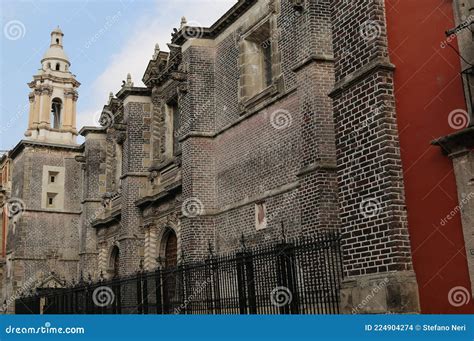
[[53, 97]]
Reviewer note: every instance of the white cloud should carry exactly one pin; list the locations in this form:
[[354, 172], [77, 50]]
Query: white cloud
[[137, 49]]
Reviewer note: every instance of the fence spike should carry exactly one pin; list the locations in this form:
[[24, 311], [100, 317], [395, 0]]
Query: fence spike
[[242, 242], [283, 235], [209, 248]]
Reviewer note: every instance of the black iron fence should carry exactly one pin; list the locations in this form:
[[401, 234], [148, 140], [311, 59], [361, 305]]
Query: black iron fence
[[296, 277]]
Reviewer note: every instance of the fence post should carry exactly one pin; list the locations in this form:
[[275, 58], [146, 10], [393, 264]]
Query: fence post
[[241, 284], [216, 283], [139, 293], [145, 293], [159, 302], [250, 281], [207, 287]]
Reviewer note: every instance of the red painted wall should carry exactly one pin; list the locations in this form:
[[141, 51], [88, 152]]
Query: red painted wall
[[428, 87]]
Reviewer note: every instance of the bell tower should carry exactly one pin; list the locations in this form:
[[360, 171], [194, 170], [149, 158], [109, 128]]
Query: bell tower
[[53, 97]]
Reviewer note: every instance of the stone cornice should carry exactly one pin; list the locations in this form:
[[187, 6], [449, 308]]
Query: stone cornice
[[355, 77], [167, 191], [133, 91], [56, 79], [257, 109], [220, 25], [52, 211], [95, 130], [255, 199], [319, 58], [114, 217], [23, 143], [317, 166], [456, 144]]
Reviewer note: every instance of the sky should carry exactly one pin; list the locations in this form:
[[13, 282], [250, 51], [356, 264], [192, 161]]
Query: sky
[[104, 39]]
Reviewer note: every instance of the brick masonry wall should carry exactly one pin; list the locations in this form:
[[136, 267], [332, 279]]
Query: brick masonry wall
[[94, 172], [135, 165], [262, 155], [371, 193], [40, 242]]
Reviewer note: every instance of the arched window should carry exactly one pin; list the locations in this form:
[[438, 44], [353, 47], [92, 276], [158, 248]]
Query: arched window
[[57, 66], [57, 41], [56, 110]]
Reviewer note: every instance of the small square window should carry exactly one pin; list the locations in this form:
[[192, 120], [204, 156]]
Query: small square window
[[52, 177], [51, 200]]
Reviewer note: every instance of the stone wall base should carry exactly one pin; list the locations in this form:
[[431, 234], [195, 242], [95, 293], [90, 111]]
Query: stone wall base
[[387, 293]]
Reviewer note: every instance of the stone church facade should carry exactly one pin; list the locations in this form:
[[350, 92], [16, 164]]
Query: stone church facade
[[255, 123]]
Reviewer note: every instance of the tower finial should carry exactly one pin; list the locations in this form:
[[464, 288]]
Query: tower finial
[[183, 22], [129, 82], [157, 51]]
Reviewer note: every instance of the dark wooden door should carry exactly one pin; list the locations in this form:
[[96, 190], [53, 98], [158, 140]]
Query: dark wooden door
[[171, 251], [170, 281]]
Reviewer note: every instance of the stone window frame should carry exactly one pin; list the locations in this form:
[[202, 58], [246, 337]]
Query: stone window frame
[[247, 100], [172, 149], [57, 188], [50, 199], [118, 169]]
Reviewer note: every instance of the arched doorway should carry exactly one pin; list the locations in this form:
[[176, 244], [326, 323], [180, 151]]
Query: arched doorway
[[171, 283], [171, 249], [114, 264]]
